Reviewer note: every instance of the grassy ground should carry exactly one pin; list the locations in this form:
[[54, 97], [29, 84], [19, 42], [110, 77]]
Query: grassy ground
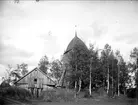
[[91, 102], [98, 98], [81, 101], [66, 97]]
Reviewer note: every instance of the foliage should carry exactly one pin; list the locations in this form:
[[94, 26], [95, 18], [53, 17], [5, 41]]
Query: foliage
[[21, 70], [137, 84], [134, 53], [123, 74], [24, 68], [58, 95], [81, 61], [131, 93], [137, 78], [5, 84], [97, 93], [105, 59], [133, 66], [15, 93], [18, 72], [107, 63], [96, 67], [56, 69], [78, 62], [43, 64], [12, 73]]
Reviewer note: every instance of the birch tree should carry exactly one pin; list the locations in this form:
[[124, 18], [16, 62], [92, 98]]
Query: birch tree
[[105, 60], [78, 67]]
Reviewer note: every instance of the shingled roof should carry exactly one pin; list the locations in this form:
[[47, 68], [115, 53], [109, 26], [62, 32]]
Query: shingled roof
[[76, 41]]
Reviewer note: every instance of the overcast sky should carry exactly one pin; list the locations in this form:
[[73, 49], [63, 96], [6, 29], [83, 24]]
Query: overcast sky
[[30, 30]]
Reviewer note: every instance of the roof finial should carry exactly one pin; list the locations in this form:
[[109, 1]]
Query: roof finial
[[75, 30]]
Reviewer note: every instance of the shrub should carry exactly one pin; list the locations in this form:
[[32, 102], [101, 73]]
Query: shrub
[[97, 93], [131, 93], [5, 84], [15, 93], [57, 95], [86, 94]]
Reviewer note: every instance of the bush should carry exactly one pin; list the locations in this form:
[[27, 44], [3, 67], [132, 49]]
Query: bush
[[98, 93], [131, 93], [57, 95], [86, 93], [4, 84], [15, 93]]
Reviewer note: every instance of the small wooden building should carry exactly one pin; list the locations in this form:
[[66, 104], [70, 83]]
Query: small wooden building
[[35, 81]]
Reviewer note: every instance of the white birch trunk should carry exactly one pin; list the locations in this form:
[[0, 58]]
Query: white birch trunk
[[118, 79], [108, 81], [75, 89], [79, 85], [90, 84], [75, 85], [112, 86]]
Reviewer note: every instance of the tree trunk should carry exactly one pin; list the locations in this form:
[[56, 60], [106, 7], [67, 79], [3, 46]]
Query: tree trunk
[[124, 90], [90, 84], [112, 78], [137, 79], [61, 81], [118, 79], [75, 88], [112, 86], [103, 81], [76, 85], [76, 80], [80, 82], [108, 81]]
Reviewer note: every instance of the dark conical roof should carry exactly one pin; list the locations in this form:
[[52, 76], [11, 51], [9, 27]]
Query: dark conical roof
[[76, 42]]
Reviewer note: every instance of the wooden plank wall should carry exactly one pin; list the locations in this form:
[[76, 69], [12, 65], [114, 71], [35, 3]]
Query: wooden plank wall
[[28, 81]]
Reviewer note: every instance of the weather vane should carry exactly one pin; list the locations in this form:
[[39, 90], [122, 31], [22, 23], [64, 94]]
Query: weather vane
[[75, 30]]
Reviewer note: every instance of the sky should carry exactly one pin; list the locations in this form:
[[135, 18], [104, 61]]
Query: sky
[[30, 30]]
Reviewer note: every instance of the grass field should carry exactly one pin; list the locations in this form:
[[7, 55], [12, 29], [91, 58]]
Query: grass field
[[66, 97], [82, 101], [91, 102], [96, 99]]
